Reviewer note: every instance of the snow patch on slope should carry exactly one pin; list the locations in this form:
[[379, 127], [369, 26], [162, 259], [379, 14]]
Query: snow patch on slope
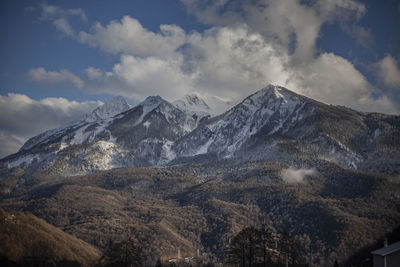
[[167, 153], [147, 124], [43, 137], [148, 105], [193, 104], [27, 159], [204, 148]]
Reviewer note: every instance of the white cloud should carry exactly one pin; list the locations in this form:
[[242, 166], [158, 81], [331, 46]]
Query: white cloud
[[291, 23], [77, 12], [22, 117], [340, 9], [232, 62], [60, 16], [40, 75], [226, 62], [295, 176], [331, 79], [93, 73], [63, 25], [335, 80], [129, 36], [152, 76], [253, 44], [362, 35], [49, 11], [389, 72]]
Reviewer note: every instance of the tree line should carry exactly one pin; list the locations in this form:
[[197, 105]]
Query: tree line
[[251, 247], [254, 247]]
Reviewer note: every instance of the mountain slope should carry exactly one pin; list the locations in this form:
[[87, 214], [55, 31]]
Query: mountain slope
[[28, 239], [332, 212]]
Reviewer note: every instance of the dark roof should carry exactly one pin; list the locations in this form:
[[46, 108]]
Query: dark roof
[[387, 250]]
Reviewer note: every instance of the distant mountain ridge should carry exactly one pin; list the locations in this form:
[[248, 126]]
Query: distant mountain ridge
[[271, 124]]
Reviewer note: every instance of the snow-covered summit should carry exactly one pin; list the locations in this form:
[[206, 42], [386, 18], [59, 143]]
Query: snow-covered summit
[[203, 105], [272, 98], [193, 104], [148, 105], [151, 101], [109, 109], [269, 108]]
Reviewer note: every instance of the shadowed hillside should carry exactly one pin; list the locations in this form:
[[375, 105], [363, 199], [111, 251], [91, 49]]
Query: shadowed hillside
[[30, 241]]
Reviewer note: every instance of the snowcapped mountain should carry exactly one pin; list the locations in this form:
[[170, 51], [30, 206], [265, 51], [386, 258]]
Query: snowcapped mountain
[[202, 106], [218, 105], [280, 125], [271, 124], [109, 109], [113, 135], [193, 104], [99, 116], [271, 108]]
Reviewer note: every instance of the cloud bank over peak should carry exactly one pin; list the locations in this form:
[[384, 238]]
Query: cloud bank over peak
[[249, 44], [290, 23], [19, 117]]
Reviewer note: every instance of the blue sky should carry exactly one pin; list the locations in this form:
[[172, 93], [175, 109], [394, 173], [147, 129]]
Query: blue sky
[[61, 59], [28, 41]]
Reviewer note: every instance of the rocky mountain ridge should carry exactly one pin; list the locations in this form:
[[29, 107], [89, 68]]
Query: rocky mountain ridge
[[271, 124]]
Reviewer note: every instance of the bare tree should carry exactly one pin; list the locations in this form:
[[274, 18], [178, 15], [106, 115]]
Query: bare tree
[[267, 246], [262, 247], [243, 249]]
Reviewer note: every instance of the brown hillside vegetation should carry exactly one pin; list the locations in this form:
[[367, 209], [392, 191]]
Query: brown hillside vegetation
[[331, 214], [26, 238]]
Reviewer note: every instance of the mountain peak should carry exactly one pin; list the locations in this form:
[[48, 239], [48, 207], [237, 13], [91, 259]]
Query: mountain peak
[[272, 93], [192, 103], [272, 90], [152, 101], [116, 100], [194, 99], [109, 109]]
